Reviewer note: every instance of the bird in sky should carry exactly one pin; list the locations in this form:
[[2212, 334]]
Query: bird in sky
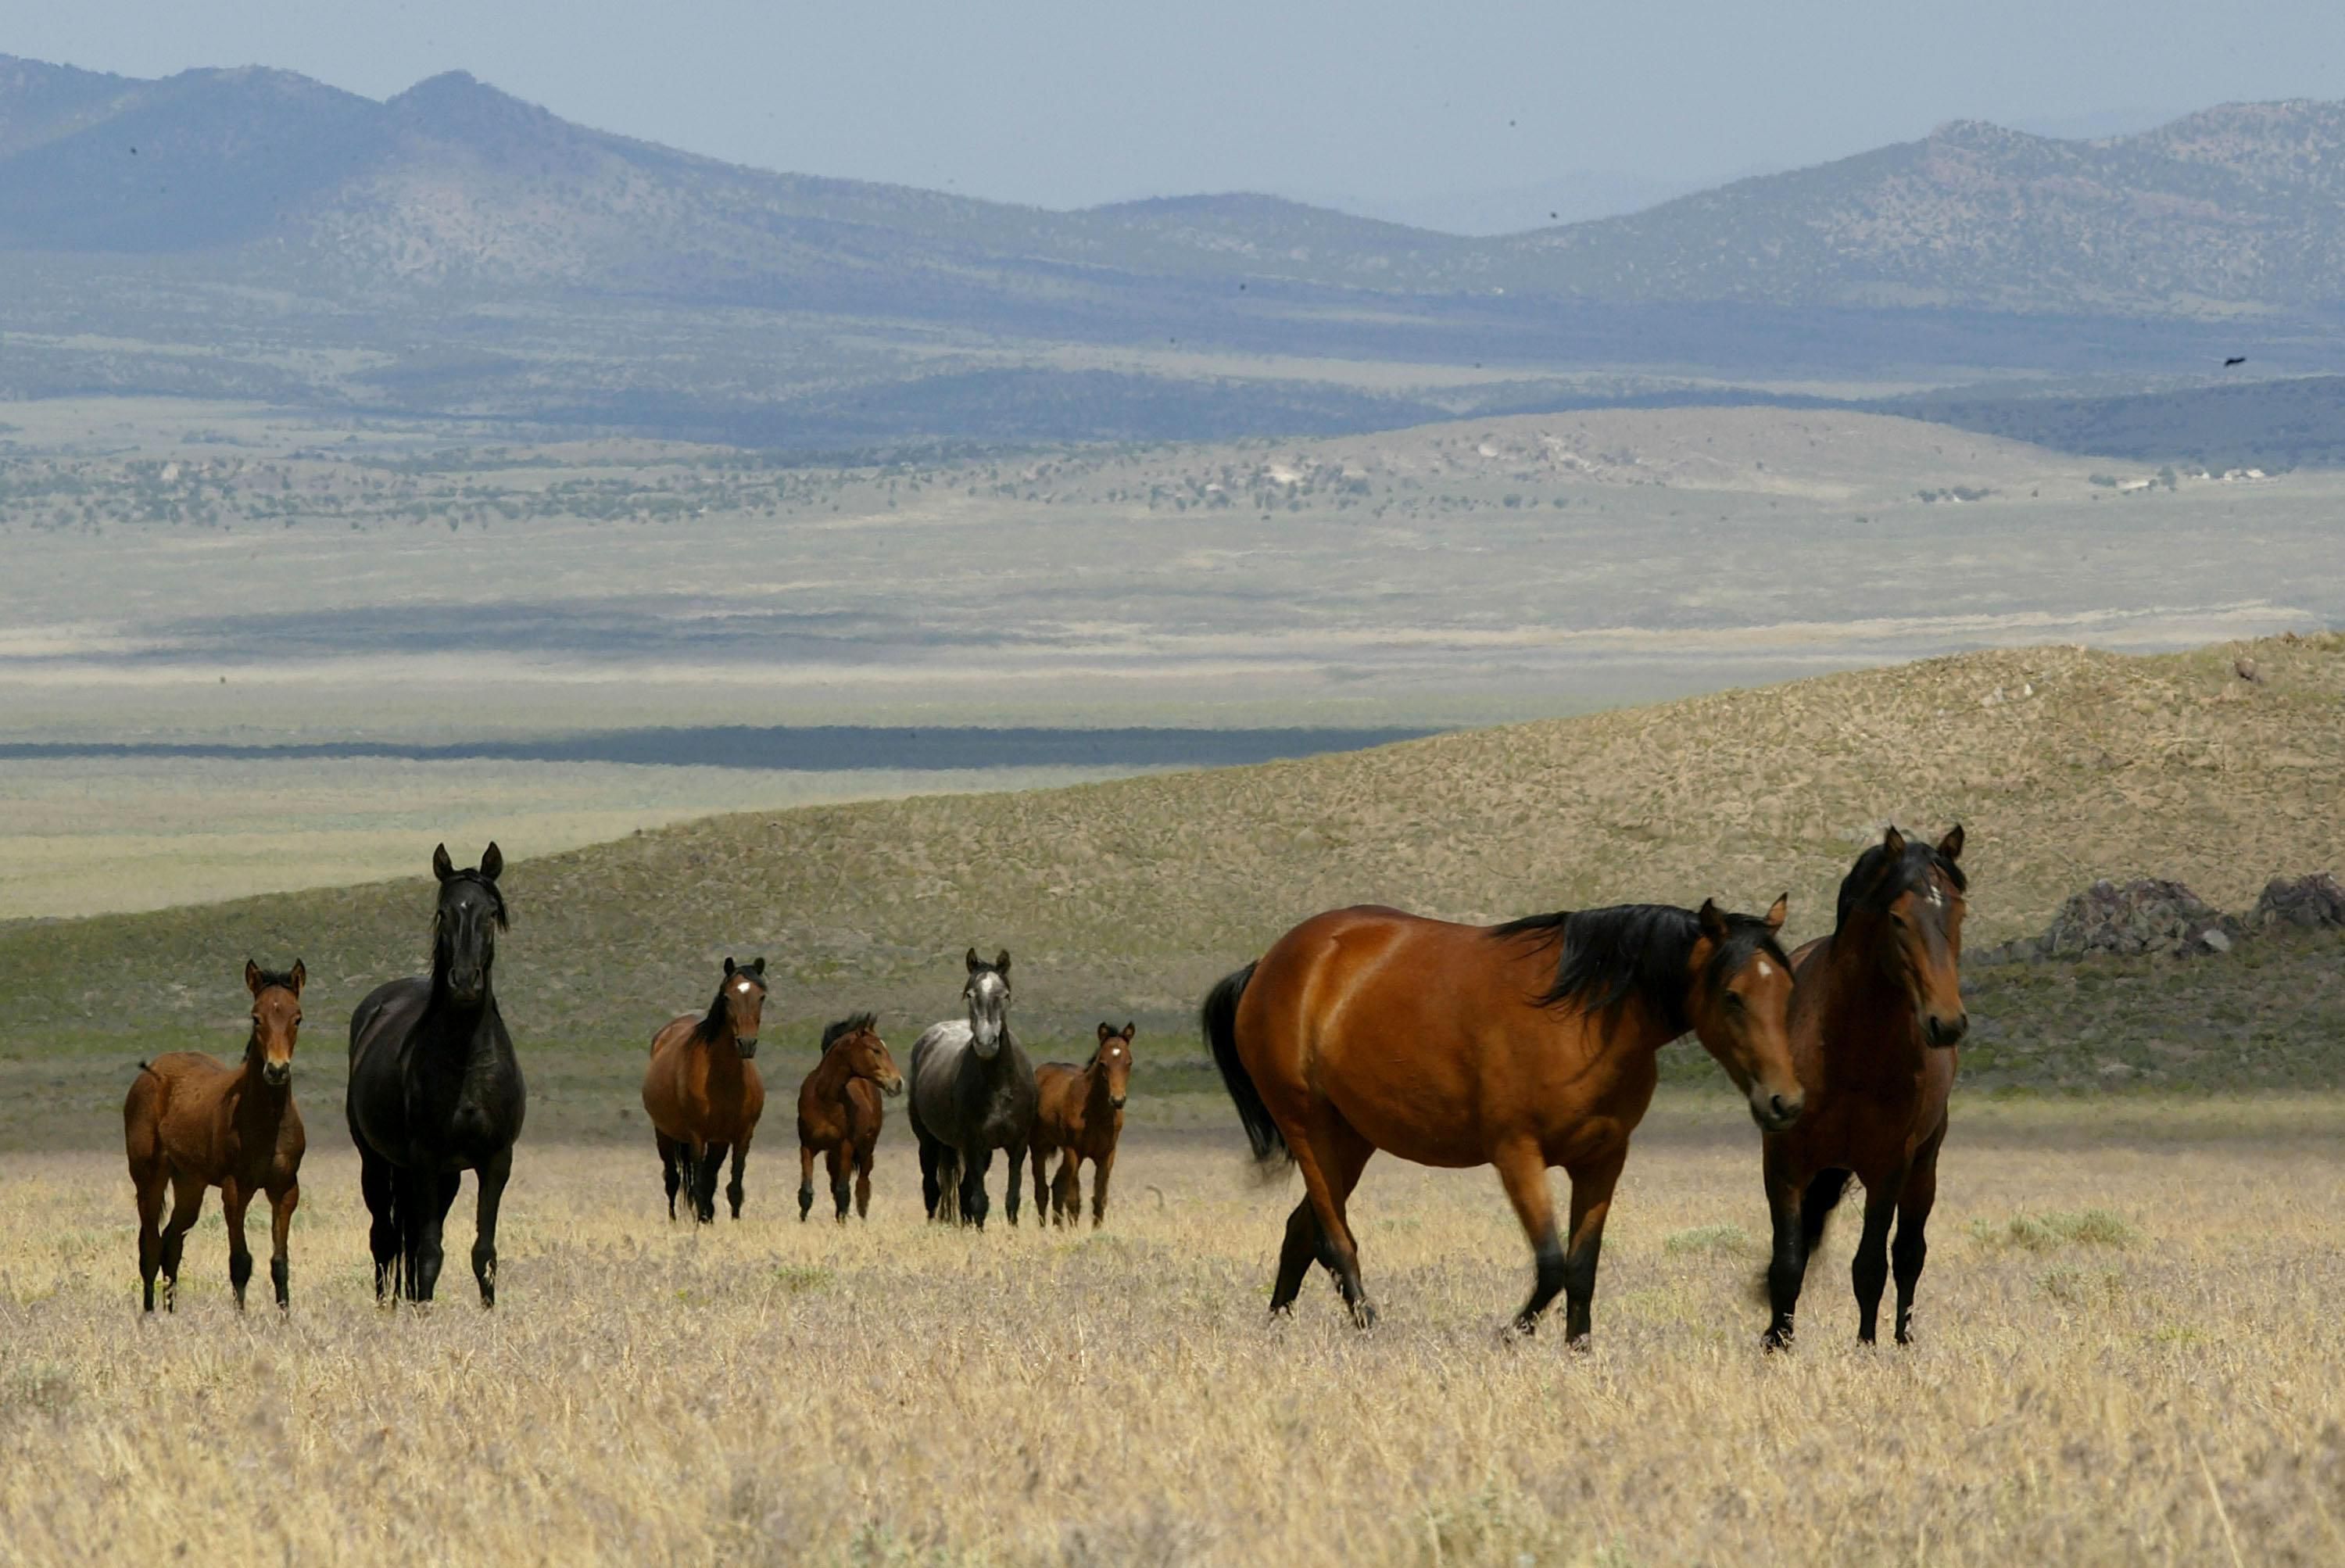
[[2234, 360]]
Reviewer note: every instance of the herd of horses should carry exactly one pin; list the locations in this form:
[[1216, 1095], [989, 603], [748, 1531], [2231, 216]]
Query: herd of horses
[[1525, 1046]]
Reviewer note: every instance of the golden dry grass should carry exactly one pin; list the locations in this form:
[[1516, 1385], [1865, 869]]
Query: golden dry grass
[[2154, 1381]]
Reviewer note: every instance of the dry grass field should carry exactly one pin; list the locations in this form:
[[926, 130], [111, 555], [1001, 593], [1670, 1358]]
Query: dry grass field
[[2129, 1355]]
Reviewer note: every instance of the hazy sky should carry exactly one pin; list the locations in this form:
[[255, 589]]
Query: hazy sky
[[1062, 103]]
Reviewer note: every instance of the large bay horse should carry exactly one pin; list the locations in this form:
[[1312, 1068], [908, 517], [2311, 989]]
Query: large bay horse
[[703, 1094], [436, 1090], [1524, 1046], [841, 1111], [1079, 1116], [972, 1092], [191, 1123], [1875, 1017]]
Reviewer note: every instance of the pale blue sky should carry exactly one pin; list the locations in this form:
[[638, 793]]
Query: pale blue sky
[[1065, 103]]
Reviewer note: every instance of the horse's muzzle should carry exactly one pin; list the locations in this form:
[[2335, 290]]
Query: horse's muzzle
[[1775, 1113], [748, 1047], [277, 1074], [1116, 1103], [894, 1086], [1944, 1032]]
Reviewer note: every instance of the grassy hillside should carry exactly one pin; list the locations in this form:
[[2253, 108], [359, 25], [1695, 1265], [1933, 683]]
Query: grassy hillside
[[1128, 898]]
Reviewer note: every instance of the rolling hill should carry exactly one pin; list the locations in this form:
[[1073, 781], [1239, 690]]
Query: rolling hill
[[1131, 897]]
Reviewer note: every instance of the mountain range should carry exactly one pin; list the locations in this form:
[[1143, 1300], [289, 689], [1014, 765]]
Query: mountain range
[[259, 207]]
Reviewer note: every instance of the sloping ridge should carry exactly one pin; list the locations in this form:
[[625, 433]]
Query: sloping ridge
[[2064, 765]]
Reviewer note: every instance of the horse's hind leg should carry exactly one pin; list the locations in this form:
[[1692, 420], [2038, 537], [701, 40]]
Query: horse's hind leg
[[1331, 1157], [1913, 1205], [863, 1156], [710, 1162], [187, 1202], [1798, 1216], [973, 1168], [806, 1181], [1066, 1189], [493, 1174], [281, 1226], [1017, 1179], [931, 1155], [734, 1190], [234, 1195], [1592, 1182], [1303, 1243], [841, 1161], [1046, 1193], [669, 1157], [422, 1199], [151, 1183], [378, 1184]]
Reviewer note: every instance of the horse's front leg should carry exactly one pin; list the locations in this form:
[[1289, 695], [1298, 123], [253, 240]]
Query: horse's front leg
[[281, 1204], [1869, 1270], [494, 1174], [1591, 1199], [424, 1196], [234, 1196], [974, 1165], [1913, 1205], [1101, 1169], [1016, 1177], [1787, 1262], [733, 1191]]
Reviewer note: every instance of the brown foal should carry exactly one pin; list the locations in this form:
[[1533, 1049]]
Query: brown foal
[[1080, 1111]]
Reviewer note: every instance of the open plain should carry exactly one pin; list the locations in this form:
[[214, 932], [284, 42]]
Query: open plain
[[2126, 1356]]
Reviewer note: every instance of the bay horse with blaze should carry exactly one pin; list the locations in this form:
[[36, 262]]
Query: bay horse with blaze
[[1525, 1046], [840, 1112], [1079, 1114], [703, 1094], [190, 1123], [1875, 1017]]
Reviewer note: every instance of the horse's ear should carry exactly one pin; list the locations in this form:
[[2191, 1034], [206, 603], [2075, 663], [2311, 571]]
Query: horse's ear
[[1107, 1032], [973, 964], [1127, 1031], [493, 861], [252, 979], [441, 866], [1001, 962], [1894, 841], [728, 966], [1711, 919], [758, 966], [301, 977], [1951, 846], [1777, 911]]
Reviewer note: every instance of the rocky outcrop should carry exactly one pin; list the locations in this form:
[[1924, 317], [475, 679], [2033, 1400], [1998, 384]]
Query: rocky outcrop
[[2149, 914], [2313, 902]]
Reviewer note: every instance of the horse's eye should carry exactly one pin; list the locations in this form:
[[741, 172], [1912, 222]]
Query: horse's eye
[[1734, 1001]]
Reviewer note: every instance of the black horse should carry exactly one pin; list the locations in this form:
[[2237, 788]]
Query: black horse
[[972, 1092], [435, 1091]]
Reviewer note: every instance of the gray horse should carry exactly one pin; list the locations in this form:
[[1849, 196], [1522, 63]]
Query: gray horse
[[972, 1092]]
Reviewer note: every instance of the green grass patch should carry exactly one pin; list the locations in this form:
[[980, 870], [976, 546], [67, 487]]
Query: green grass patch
[[2057, 1228]]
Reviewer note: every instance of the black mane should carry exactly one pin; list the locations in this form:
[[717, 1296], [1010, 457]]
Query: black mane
[[1610, 956], [855, 1023], [1872, 884]]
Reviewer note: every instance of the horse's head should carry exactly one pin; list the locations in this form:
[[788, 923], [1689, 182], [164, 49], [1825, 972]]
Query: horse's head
[[988, 995], [1114, 1061], [1739, 995], [464, 928], [741, 1003], [1901, 903], [867, 1054], [275, 1018]]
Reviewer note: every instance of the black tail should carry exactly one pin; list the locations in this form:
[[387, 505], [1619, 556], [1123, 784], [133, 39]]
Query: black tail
[[1219, 1017]]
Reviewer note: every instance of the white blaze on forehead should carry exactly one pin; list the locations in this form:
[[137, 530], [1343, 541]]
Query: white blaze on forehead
[[743, 988], [1765, 969], [1937, 896]]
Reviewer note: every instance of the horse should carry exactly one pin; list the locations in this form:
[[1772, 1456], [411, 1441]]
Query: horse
[[1079, 1110], [1523, 1045], [193, 1123], [1876, 1013], [702, 1094], [436, 1090], [841, 1111], [972, 1092]]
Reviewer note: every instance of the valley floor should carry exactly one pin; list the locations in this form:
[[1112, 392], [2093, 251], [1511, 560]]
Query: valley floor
[[2127, 1354]]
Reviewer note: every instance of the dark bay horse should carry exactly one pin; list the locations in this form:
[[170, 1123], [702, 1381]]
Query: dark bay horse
[[192, 1123], [841, 1111], [436, 1090], [1079, 1114], [703, 1093], [1875, 1017], [1524, 1046], [972, 1092]]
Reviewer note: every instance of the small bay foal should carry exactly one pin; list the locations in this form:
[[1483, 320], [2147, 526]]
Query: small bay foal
[[1080, 1111], [840, 1112], [192, 1123]]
